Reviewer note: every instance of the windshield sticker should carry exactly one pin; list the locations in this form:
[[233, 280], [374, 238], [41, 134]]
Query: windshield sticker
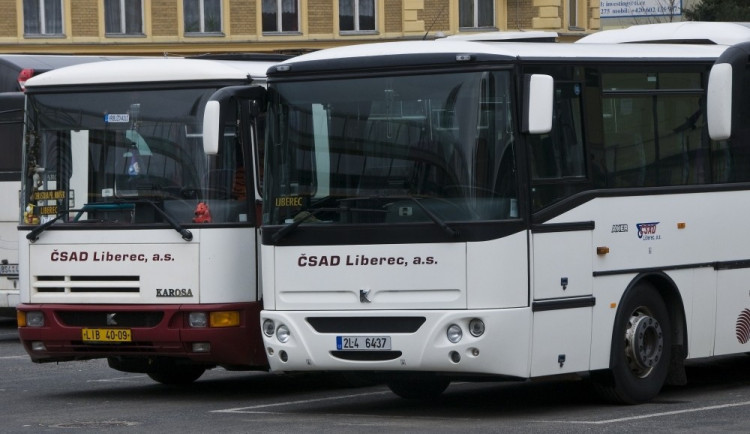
[[288, 201], [48, 195], [647, 231], [116, 118]]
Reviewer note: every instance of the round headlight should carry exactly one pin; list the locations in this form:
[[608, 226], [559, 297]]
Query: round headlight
[[476, 327], [454, 333], [268, 327], [282, 333]]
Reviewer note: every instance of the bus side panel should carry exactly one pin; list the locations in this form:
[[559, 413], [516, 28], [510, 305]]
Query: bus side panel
[[698, 289], [561, 341], [732, 312], [497, 273], [228, 277]]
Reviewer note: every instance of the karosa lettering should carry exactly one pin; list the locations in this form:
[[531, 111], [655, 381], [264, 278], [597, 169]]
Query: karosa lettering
[[174, 292]]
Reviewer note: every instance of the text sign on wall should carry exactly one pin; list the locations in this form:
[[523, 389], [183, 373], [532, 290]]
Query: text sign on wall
[[639, 8]]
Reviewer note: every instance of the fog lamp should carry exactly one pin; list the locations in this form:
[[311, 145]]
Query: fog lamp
[[201, 347], [35, 318], [476, 327], [454, 333], [229, 318], [282, 333], [38, 346], [268, 327], [198, 319]]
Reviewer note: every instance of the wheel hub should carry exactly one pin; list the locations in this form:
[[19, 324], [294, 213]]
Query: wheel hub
[[644, 343]]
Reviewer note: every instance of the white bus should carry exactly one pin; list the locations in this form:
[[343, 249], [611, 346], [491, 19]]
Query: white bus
[[15, 69], [465, 210], [136, 243]]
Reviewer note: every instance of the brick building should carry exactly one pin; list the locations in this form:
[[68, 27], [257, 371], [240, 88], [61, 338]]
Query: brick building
[[201, 26]]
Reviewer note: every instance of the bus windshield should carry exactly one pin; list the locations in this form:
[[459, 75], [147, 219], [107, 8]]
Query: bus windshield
[[408, 148], [127, 158]]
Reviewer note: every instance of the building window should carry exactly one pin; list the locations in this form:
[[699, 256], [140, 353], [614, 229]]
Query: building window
[[280, 16], [357, 15], [42, 17], [573, 15], [123, 17], [202, 16], [476, 13]]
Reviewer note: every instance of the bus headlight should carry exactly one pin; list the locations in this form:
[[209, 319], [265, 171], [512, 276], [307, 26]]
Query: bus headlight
[[476, 327], [34, 318], [454, 333], [198, 319], [282, 334], [268, 327]]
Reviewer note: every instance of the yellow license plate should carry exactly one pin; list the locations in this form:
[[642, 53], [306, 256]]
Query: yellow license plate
[[106, 335]]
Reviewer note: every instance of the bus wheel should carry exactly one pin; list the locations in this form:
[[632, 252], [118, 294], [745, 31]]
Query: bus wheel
[[418, 387], [177, 375], [640, 348]]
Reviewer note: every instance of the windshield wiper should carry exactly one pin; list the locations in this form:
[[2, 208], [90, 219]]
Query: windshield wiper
[[34, 234], [308, 213], [186, 234], [438, 221]]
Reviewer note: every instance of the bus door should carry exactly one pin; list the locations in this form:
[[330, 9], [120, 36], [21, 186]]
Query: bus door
[[561, 270]]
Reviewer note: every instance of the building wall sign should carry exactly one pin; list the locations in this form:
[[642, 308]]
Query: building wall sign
[[639, 8]]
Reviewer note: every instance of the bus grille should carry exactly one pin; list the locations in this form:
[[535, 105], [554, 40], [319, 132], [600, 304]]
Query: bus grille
[[86, 284], [389, 324], [367, 356], [99, 319]]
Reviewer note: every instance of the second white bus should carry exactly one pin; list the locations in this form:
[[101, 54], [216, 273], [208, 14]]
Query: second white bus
[[463, 210]]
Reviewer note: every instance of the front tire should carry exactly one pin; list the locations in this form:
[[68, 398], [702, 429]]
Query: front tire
[[418, 387], [178, 375], [641, 345]]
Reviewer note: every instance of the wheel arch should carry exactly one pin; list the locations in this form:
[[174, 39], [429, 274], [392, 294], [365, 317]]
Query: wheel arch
[[668, 291]]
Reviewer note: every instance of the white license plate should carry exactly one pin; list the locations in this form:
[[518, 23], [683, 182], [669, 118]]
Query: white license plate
[[363, 343]]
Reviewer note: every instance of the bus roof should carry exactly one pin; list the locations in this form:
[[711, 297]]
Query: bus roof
[[685, 32], [380, 55], [519, 36], [11, 66], [151, 70]]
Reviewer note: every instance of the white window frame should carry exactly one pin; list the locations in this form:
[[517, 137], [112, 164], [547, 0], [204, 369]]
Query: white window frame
[[123, 21], [41, 4], [279, 10], [202, 18], [357, 27], [475, 18]]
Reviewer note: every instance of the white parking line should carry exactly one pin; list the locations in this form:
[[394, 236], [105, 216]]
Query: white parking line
[[117, 379], [253, 408], [651, 415], [14, 357]]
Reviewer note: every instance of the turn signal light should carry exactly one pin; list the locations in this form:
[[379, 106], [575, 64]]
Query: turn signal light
[[230, 318]]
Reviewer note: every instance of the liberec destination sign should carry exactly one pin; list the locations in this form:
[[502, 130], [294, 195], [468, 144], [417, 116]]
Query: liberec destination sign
[[639, 8]]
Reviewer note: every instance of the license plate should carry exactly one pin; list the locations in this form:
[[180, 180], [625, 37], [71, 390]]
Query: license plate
[[363, 343], [8, 269], [106, 335]]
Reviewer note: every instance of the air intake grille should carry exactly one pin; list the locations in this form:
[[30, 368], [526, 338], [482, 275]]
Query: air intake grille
[[87, 284], [389, 324]]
